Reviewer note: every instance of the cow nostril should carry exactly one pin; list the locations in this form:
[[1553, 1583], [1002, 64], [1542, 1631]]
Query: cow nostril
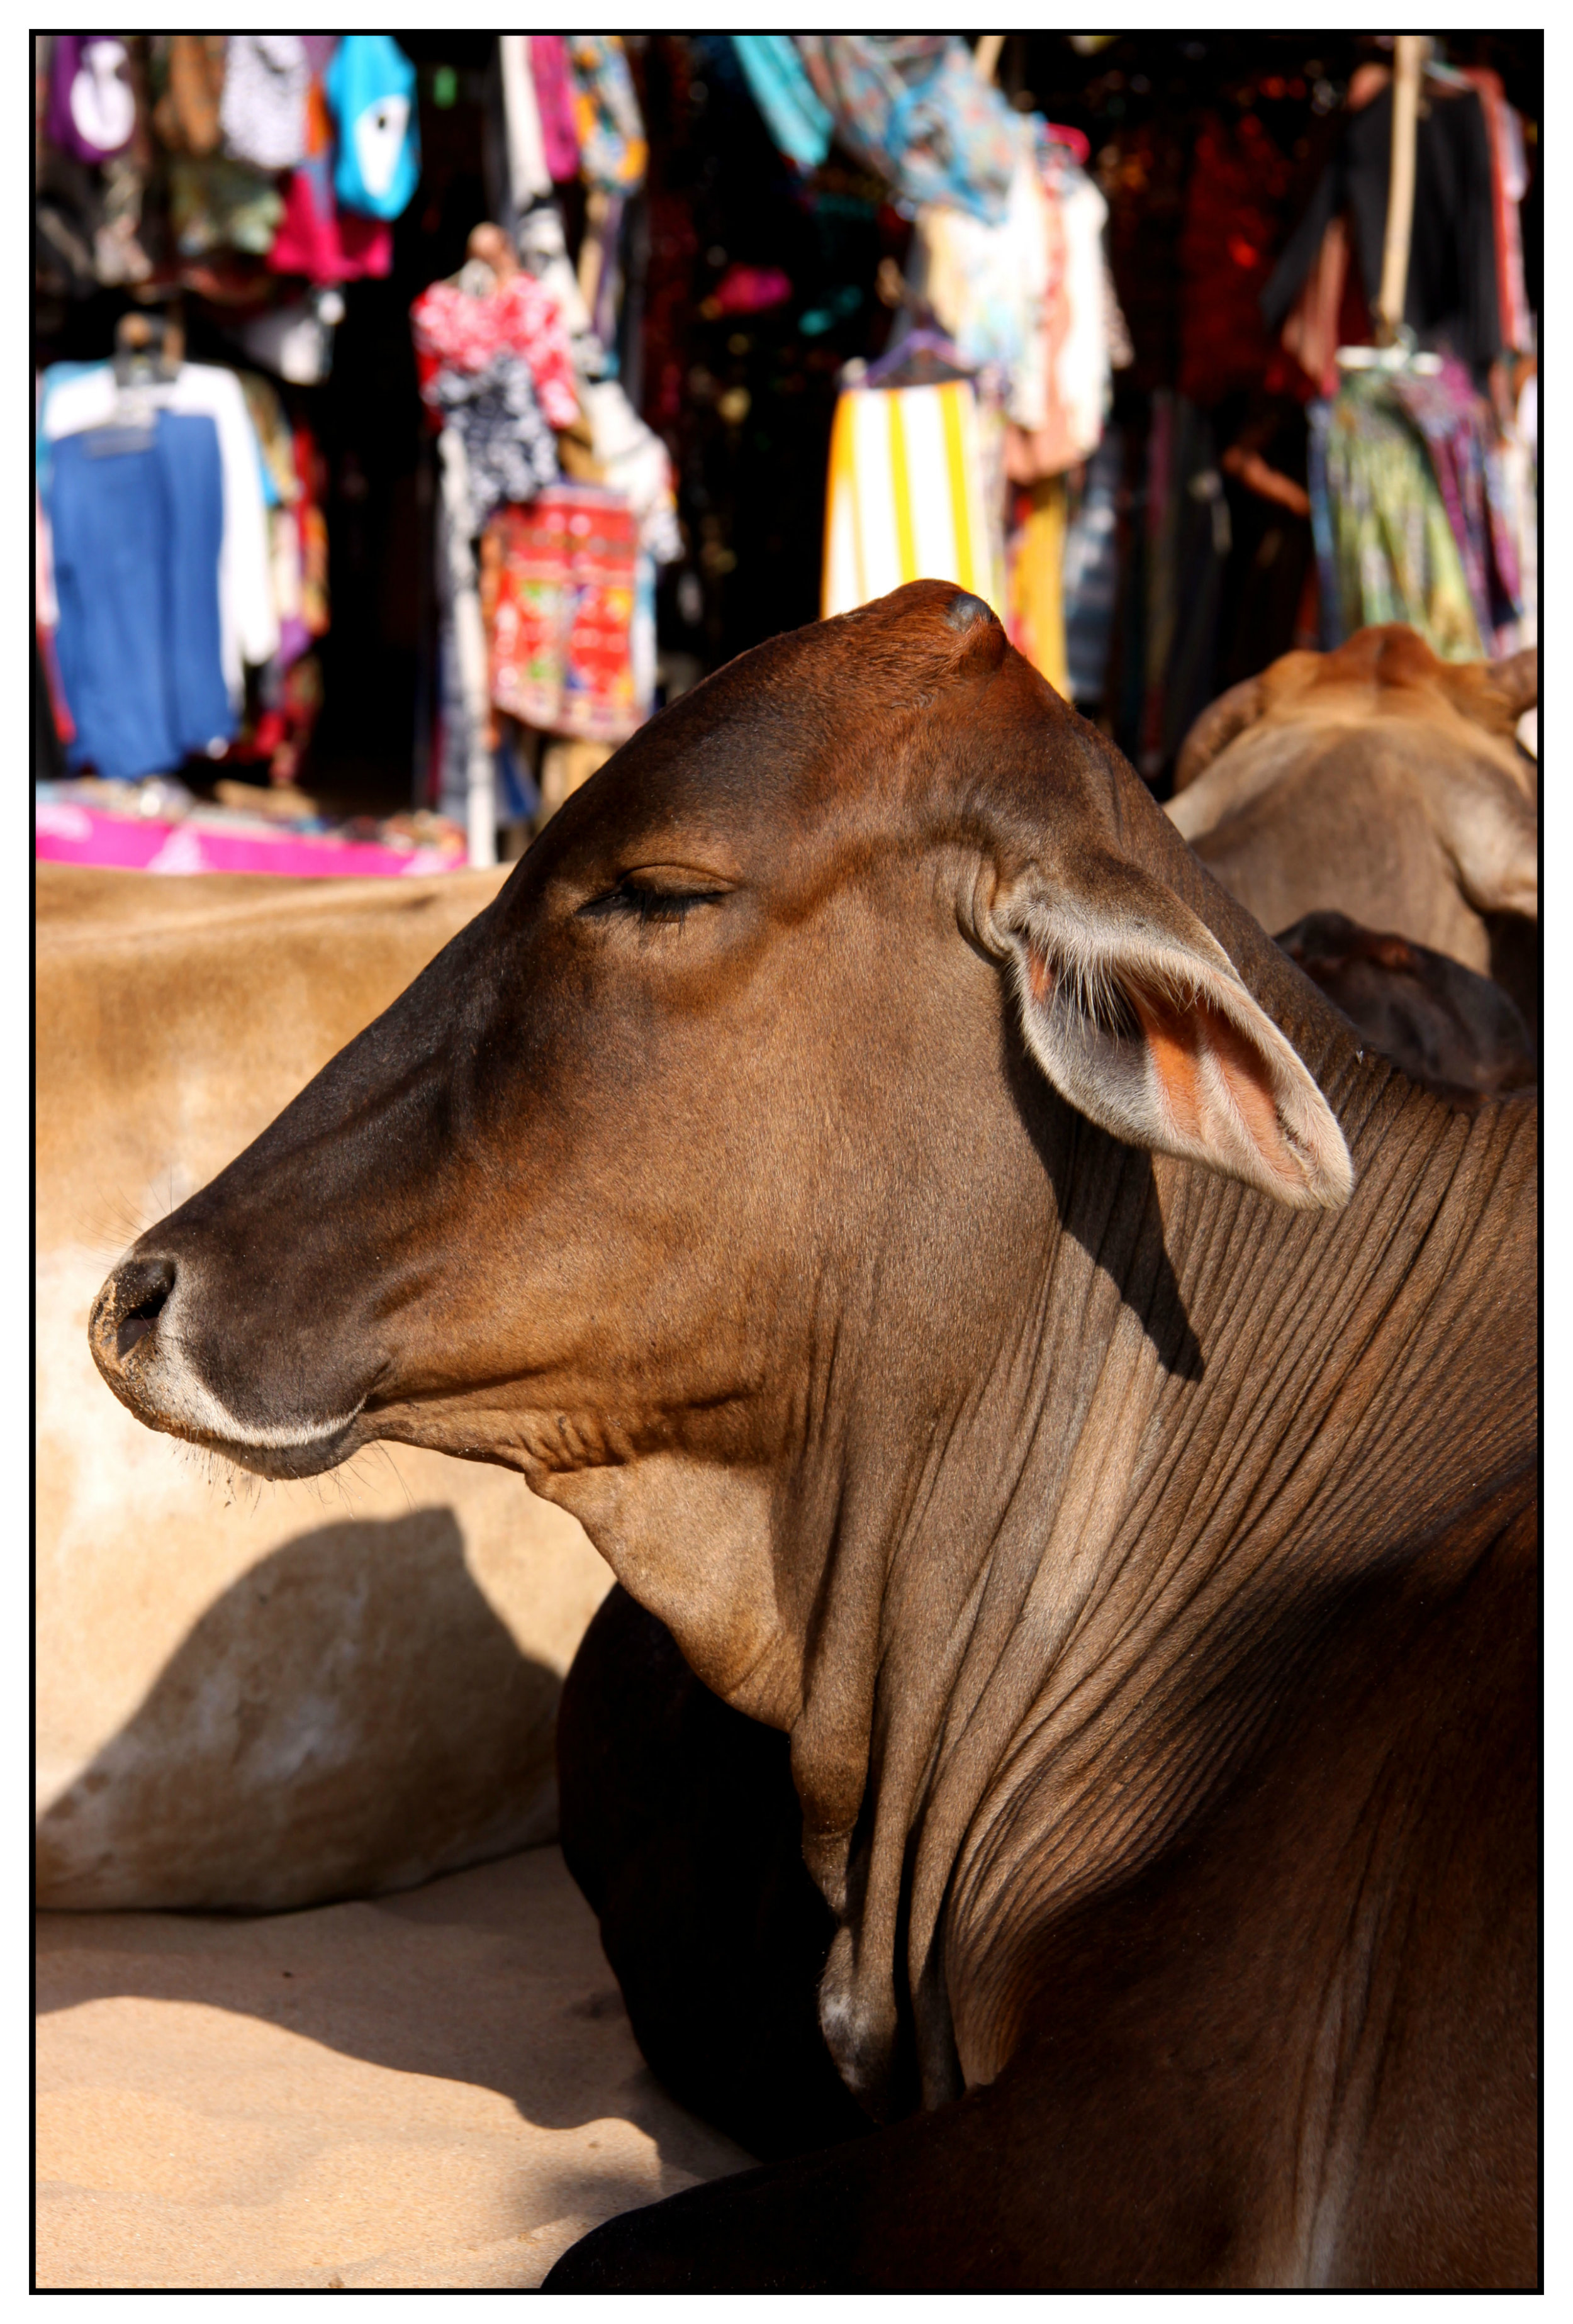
[[148, 1287]]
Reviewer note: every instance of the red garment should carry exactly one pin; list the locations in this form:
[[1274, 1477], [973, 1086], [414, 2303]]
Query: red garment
[[562, 633], [455, 332], [315, 238], [330, 246], [1513, 297], [560, 137], [1226, 248]]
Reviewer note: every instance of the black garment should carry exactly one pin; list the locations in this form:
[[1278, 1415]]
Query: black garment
[[1450, 301]]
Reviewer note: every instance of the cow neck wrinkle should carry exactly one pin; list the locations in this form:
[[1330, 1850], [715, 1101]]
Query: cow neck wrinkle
[[1146, 1518]]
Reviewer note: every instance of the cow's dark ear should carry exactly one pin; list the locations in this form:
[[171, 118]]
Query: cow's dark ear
[[1138, 1016]]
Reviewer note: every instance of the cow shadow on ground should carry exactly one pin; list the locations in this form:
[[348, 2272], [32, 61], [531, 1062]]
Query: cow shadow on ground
[[349, 1719]]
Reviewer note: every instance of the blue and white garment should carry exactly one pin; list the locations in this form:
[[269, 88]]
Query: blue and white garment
[[370, 85]]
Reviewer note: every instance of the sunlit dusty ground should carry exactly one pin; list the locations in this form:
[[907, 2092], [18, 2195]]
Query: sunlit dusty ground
[[437, 2088]]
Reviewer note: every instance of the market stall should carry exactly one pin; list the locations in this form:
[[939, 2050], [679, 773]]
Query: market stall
[[471, 396]]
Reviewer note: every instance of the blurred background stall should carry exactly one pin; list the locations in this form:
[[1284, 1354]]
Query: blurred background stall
[[479, 394]]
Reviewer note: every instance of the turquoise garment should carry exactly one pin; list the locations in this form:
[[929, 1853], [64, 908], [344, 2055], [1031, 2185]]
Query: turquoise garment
[[910, 108], [370, 85], [797, 121]]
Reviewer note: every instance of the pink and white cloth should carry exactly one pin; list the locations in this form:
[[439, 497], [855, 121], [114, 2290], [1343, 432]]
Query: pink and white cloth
[[455, 332]]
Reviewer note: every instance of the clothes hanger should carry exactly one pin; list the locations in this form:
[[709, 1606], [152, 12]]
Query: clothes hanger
[[925, 356], [143, 364]]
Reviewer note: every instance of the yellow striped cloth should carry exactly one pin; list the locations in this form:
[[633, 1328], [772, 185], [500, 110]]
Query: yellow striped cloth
[[907, 498]]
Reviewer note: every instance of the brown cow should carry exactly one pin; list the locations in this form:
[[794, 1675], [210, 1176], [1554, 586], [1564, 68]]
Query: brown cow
[[981, 1301], [1455, 1032], [1381, 782]]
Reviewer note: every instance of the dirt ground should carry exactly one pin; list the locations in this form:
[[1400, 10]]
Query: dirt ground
[[438, 2089]]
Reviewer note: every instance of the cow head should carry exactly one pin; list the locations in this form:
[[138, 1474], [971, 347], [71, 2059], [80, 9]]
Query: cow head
[[714, 1150], [1389, 660]]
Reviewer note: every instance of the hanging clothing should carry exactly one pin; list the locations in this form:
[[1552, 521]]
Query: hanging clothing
[[137, 536], [263, 110], [634, 462], [612, 153], [1065, 389], [561, 641], [1460, 435], [248, 626], [1035, 563], [798, 121], [370, 84], [1451, 296], [316, 237], [1090, 575], [1510, 182], [1233, 208], [986, 283], [906, 497], [1329, 312], [912, 108], [1384, 547], [554, 106], [92, 104], [188, 72], [510, 451], [217, 204], [460, 332]]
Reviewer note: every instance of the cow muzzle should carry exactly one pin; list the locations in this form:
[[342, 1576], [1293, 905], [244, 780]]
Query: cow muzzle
[[142, 1334]]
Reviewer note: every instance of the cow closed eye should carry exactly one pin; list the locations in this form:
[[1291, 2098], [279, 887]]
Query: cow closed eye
[[634, 899]]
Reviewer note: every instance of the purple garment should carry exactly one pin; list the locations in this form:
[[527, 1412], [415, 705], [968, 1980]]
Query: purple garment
[[92, 106], [1456, 426], [559, 135]]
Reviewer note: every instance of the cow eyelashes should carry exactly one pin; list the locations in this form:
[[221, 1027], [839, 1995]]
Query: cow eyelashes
[[649, 904]]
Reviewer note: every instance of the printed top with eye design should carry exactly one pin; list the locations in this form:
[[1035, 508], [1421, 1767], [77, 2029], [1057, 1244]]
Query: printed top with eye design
[[653, 897]]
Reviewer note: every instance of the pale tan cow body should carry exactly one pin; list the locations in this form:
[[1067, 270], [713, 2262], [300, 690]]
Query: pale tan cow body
[[1375, 782], [252, 1698]]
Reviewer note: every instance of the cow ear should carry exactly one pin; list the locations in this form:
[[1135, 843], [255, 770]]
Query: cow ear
[[1138, 1016], [1517, 680], [1215, 729]]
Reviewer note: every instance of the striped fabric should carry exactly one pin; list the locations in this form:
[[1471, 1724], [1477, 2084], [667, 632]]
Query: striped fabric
[[906, 500]]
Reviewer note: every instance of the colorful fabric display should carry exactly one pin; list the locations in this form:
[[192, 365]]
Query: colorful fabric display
[[913, 109], [906, 497], [92, 104], [189, 74], [985, 282], [136, 536], [510, 449], [262, 112], [1384, 547], [219, 204], [457, 331], [1510, 182], [1461, 437], [613, 152], [561, 634], [799, 122], [249, 625], [1035, 560], [554, 103], [370, 84], [634, 462], [1091, 572], [315, 238]]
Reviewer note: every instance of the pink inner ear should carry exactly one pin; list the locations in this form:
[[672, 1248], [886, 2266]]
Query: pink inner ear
[[1177, 1038]]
